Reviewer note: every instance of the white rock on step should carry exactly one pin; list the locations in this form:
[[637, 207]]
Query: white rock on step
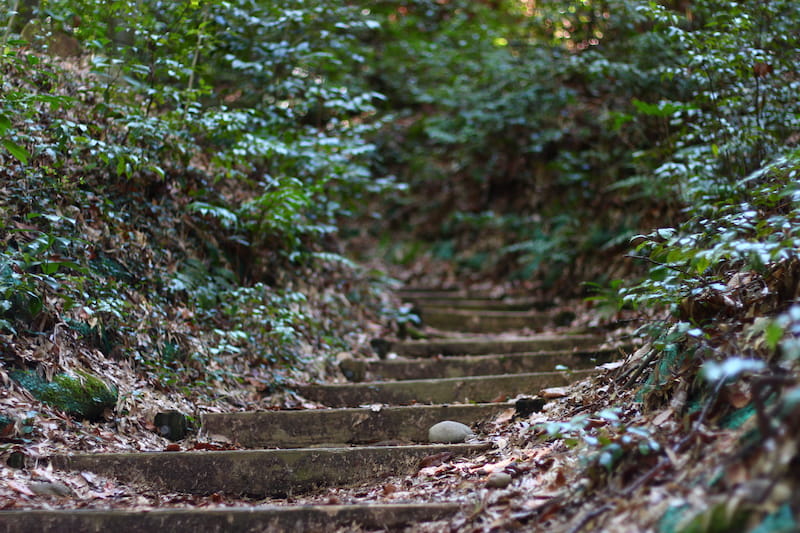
[[498, 480], [449, 432]]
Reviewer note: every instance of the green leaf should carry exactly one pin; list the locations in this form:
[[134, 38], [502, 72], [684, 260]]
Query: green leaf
[[228, 218], [17, 151], [6, 325], [5, 124], [730, 368], [773, 333]]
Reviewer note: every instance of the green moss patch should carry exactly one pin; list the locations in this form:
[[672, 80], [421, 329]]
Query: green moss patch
[[83, 395]]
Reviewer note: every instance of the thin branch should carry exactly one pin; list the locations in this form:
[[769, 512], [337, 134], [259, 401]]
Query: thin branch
[[590, 516], [200, 34], [684, 443], [665, 265], [644, 478], [10, 23]]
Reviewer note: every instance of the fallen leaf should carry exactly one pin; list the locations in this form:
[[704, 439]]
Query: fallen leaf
[[738, 394], [593, 423], [662, 417], [22, 489], [435, 459], [554, 392], [498, 466], [505, 416], [761, 69], [210, 446], [220, 438]]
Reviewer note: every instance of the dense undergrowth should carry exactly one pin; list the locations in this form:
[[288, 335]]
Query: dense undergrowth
[[179, 181], [651, 150], [542, 136], [173, 174]]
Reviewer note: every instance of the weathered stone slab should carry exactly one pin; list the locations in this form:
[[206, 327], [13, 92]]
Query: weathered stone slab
[[318, 427], [480, 304], [488, 345], [482, 321], [257, 519], [464, 300], [258, 473], [476, 365], [478, 389], [427, 293]]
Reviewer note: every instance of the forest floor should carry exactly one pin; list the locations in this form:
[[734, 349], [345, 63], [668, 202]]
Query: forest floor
[[594, 459]]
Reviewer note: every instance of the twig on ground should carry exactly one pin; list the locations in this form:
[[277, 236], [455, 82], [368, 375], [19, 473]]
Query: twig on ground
[[591, 516]]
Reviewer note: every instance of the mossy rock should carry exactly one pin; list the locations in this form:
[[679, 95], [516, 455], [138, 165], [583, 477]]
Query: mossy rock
[[82, 396]]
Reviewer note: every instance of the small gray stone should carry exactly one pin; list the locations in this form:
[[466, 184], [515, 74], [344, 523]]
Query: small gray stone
[[50, 488], [498, 480], [449, 432], [172, 425]]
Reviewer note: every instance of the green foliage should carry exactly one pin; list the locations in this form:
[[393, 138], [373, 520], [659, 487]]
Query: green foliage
[[500, 134], [605, 434], [731, 368], [720, 517], [20, 295], [549, 112], [781, 520], [264, 90], [751, 225], [170, 169], [83, 395]]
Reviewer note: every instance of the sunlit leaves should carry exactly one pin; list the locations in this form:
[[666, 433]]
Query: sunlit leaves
[[730, 368], [228, 218], [605, 434]]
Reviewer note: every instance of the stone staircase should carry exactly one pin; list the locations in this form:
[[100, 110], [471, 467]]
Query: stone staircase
[[375, 426]]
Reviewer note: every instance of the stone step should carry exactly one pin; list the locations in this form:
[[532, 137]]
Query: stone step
[[464, 300], [478, 389], [321, 427], [259, 473], [482, 321], [480, 304], [483, 345], [430, 292], [261, 518], [454, 366]]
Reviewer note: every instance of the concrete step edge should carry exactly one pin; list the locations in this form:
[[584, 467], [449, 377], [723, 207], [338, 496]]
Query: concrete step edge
[[256, 518], [341, 426], [259, 473], [478, 389], [452, 366]]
